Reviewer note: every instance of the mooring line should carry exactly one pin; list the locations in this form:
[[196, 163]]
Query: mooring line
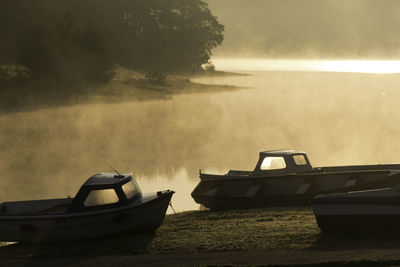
[[170, 203]]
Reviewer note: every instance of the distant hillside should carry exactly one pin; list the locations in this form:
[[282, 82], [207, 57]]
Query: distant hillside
[[309, 28]]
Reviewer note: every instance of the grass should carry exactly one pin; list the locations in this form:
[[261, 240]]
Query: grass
[[197, 231], [275, 236], [269, 228]]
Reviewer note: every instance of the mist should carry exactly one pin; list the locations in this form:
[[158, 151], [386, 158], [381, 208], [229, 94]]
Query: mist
[[52, 151], [337, 118], [309, 29]]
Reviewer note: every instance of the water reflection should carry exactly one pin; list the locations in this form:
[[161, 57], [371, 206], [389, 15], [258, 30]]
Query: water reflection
[[179, 181]]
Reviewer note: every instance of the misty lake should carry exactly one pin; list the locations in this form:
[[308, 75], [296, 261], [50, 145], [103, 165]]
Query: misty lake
[[338, 115]]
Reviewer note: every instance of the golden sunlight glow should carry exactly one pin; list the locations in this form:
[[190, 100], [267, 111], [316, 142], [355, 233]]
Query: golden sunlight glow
[[273, 163], [355, 66]]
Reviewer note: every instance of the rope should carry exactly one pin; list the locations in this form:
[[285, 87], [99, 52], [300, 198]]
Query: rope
[[170, 203]]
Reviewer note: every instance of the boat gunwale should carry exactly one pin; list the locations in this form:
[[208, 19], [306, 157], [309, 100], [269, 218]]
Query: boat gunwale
[[213, 177]]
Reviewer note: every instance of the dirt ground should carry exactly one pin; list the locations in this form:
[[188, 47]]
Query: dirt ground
[[356, 257]]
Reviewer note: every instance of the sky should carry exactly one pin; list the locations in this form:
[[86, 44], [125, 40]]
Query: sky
[[309, 28]]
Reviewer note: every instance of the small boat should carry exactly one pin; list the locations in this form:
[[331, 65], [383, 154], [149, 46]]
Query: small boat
[[286, 177], [369, 210], [106, 204]]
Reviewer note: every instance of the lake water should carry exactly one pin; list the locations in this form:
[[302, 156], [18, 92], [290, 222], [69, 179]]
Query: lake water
[[349, 66], [338, 117]]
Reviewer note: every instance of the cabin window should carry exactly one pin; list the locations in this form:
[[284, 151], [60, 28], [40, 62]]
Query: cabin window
[[101, 197], [273, 163], [130, 189], [300, 160]]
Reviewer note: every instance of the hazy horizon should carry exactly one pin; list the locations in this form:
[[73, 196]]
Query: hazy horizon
[[309, 29]]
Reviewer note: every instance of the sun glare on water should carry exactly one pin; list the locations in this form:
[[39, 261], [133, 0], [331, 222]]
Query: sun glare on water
[[355, 66]]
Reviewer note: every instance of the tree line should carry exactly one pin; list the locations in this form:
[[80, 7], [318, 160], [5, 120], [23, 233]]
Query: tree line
[[80, 41]]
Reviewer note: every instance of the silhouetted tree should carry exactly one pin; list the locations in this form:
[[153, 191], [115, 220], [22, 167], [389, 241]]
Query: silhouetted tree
[[79, 41], [47, 39], [170, 34]]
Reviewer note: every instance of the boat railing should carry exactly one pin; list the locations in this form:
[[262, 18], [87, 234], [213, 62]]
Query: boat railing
[[361, 168], [238, 173]]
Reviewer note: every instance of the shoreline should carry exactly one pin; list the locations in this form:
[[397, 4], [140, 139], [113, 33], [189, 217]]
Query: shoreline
[[127, 85]]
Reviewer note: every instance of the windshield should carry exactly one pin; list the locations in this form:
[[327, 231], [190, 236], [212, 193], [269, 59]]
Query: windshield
[[300, 160], [130, 189], [101, 197], [273, 163]]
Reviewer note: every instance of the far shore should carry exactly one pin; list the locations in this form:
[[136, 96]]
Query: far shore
[[126, 85], [219, 73]]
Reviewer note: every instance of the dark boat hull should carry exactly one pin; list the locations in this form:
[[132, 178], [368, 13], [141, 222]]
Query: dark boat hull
[[145, 216], [370, 210], [359, 223], [377, 215], [222, 192]]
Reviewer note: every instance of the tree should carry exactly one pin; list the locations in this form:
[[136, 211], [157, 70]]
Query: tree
[[79, 41], [169, 34], [54, 44]]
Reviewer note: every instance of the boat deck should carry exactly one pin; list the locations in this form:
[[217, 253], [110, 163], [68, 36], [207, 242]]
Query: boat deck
[[46, 206]]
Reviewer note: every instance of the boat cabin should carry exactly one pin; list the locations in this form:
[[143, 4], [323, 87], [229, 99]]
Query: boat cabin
[[99, 192], [106, 190], [282, 161]]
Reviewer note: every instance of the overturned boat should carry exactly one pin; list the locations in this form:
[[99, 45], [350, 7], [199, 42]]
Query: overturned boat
[[375, 210], [286, 177], [106, 204]]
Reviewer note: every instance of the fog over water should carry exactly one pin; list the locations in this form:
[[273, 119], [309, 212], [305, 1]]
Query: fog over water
[[337, 118], [307, 65], [363, 29]]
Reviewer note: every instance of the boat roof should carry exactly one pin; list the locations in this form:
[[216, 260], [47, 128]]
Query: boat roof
[[107, 178], [282, 152]]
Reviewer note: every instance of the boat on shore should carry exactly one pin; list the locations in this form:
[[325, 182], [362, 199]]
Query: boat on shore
[[375, 210], [106, 204], [286, 177]]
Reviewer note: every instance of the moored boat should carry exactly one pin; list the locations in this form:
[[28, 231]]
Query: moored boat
[[106, 204], [286, 177], [370, 210]]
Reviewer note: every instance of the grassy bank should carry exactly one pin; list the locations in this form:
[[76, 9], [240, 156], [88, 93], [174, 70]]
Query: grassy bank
[[284, 236], [270, 228], [203, 231]]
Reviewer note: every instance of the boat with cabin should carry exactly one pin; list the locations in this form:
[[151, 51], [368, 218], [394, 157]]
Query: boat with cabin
[[106, 204], [286, 177]]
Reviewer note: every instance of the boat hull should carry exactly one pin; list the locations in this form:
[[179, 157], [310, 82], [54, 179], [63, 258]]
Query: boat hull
[[145, 216], [357, 217], [358, 223], [369, 210], [233, 192]]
